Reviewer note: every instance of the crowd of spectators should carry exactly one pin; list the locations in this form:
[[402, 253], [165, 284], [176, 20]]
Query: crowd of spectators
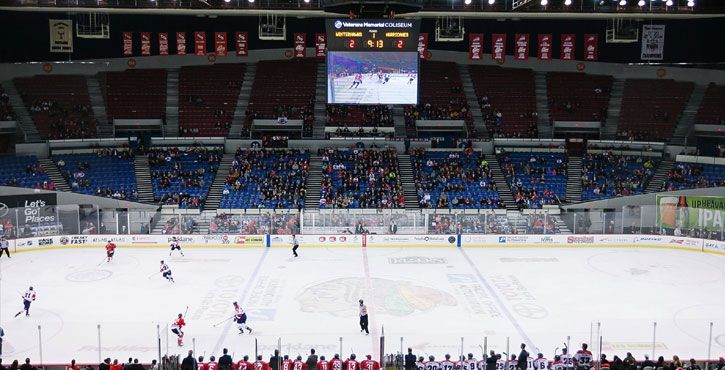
[[360, 178], [457, 108], [607, 175], [469, 224], [266, 223], [180, 225], [356, 115], [6, 109], [693, 176], [535, 179], [77, 175], [183, 176], [495, 121], [66, 122], [304, 112], [266, 179], [34, 170], [344, 131], [454, 180]]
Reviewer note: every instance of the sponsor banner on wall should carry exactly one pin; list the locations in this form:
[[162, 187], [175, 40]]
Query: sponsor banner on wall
[[423, 45], [543, 48], [714, 246], [688, 212], [200, 43], [375, 240], [300, 46], [475, 46], [242, 45], [317, 240], [127, 38], [26, 200], [653, 42], [61, 35], [181, 43], [220, 44], [145, 43], [143, 241], [498, 47], [591, 46], [522, 46], [320, 45], [567, 46], [163, 43]]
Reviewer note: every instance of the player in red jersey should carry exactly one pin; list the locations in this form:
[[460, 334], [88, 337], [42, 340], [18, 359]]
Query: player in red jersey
[[72, 366], [286, 363], [351, 364], [212, 364], [260, 364], [176, 329], [323, 364], [244, 364], [298, 364], [583, 358], [369, 364], [200, 364], [110, 250], [336, 363], [115, 365]]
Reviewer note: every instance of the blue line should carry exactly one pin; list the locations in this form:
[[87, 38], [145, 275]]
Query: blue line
[[500, 303], [242, 298]]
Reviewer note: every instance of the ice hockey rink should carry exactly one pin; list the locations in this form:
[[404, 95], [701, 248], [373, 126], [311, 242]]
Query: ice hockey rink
[[429, 297], [373, 91]]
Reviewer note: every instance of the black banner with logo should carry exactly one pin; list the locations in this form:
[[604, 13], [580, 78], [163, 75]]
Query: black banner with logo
[[28, 200]]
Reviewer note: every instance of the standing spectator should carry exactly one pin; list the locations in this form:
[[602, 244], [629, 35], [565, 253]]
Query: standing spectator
[[693, 365], [312, 360], [647, 363], [225, 362], [275, 360], [394, 230], [491, 361], [189, 362], [523, 358], [410, 360]]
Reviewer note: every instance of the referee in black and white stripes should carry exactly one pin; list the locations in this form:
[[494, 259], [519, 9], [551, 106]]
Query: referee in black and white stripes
[[364, 318]]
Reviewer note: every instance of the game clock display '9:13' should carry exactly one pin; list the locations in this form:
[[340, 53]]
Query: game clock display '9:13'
[[375, 44]]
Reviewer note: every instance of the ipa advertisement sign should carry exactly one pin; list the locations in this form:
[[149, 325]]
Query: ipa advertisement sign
[[690, 212]]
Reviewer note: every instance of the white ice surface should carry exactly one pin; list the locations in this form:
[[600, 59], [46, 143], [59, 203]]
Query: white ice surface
[[372, 91], [430, 297]]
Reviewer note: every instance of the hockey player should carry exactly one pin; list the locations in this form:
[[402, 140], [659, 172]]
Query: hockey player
[[298, 364], [447, 364], [212, 364], [363, 317], [110, 250], [200, 364], [583, 358], [420, 365], [512, 363], [322, 364], [175, 246], [286, 363], [567, 359], [386, 78], [500, 362], [351, 363], [336, 363], [166, 272], [295, 245], [176, 329], [482, 363], [432, 364], [240, 317], [244, 364], [28, 298], [411, 78], [541, 363], [369, 364], [558, 364], [4, 246], [469, 363], [260, 364]]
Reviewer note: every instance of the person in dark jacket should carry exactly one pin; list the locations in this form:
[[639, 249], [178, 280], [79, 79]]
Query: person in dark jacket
[[105, 365], [136, 365], [312, 360], [647, 362], [14, 365], [275, 360], [189, 362], [523, 358], [225, 362], [27, 365], [409, 360], [491, 360]]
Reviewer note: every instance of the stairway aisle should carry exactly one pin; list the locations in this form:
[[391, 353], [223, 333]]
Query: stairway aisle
[[573, 180], [609, 131], [143, 180], [314, 183], [214, 197], [171, 129], [245, 92], [22, 116], [408, 180], [98, 105], [503, 188], [543, 123], [318, 125], [54, 174], [685, 126], [659, 177], [472, 100]]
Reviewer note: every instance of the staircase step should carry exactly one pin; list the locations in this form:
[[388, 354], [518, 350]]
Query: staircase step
[[54, 174]]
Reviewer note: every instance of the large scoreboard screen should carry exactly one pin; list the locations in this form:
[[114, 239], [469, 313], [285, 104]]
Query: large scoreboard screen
[[372, 35], [372, 61]]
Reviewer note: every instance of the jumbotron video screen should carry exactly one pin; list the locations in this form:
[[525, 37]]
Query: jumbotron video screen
[[372, 62]]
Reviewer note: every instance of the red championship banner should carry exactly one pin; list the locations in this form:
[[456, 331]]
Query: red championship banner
[[300, 45], [163, 43], [200, 43], [220, 44], [498, 47], [127, 44], [543, 50], [567, 46], [181, 43], [242, 47], [423, 45], [522, 46], [475, 46], [591, 46], [320, 45], [145, 43]]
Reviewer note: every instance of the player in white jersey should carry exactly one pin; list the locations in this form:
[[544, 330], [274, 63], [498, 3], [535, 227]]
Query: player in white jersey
[[420, 365], [541, 363], [166, 272], [481, 364], [432, 364], [468, 364], [447, 364], [530, 363], [240, 317], [566, 359], [28, 298], [500, 363], [583, 358], [558, 364], [512, 364], [175, 246]]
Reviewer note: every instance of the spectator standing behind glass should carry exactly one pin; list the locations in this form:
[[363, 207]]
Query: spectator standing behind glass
[[523, 358], [410, 360], [312, 360], [393, 229], [189, 362]]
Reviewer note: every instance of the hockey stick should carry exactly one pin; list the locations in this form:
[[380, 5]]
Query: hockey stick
[[556, 351], [223, 321], [152, 275], [185, 311], [483, 353], [102, 262]]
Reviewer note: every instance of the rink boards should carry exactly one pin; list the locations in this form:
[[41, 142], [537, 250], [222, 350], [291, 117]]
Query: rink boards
[[371, 240]]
